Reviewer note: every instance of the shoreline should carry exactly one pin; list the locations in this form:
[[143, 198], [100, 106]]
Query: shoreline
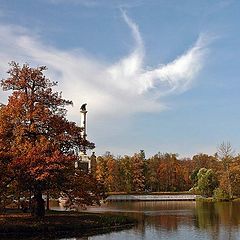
[[163, 196], [151, 197], [214, 200], [62, 224]]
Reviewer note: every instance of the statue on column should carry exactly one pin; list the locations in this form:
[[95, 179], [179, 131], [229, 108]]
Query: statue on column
[[83, 107]]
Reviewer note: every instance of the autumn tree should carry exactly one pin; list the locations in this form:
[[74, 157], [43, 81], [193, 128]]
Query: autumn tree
[[113, 178], [235, 176], [138, 178], [232, 176], [203, 160], [7, 184], [102, 171], [183, 171], [152, 180], [81, 189], [125, 170], [225, 153], [169, 172], [108, 172], [165, 172], [36, 139]]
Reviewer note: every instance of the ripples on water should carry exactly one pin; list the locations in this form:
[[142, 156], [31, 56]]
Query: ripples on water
[[174, 220]]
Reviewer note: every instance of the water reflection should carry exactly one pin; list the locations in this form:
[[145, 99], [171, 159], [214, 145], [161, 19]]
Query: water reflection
[[170, 220], [175, 220]]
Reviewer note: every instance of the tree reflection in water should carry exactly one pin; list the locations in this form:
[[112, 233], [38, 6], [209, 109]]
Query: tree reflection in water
[[175, 220]]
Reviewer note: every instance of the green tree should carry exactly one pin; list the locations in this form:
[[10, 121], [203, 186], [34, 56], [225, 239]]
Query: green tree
[[207, 181]]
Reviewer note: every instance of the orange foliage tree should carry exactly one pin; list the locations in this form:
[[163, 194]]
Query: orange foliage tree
[[37, 142], [138, 177], [107, 172]]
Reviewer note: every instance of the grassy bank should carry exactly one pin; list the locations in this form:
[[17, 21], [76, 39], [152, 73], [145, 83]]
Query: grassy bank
[[211, 199], [61, 224]]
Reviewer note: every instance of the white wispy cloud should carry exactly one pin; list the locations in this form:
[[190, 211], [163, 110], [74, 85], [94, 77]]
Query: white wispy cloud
[[87, 3], [110, 89], [100, 3]]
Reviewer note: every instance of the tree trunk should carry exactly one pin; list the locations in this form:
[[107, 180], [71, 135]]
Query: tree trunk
[[18, 201], [48, 207], [38, 208], [229, 183]]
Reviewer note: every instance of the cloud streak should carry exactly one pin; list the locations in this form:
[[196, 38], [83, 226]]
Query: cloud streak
[[110, 89], [102, 3]]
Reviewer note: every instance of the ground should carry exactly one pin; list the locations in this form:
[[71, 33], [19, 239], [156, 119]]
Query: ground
[[60, 224]]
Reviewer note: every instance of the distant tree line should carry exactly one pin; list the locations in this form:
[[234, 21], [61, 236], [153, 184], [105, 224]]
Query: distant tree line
[[217, 175]]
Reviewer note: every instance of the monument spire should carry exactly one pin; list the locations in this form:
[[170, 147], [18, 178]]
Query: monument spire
[[83, 124]]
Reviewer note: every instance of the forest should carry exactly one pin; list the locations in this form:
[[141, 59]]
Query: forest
[[217, 175]]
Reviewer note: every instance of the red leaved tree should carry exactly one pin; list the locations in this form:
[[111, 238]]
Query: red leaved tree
[[37, 142]]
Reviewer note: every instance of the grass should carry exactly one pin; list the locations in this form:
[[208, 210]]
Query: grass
[[211, 199], [60, 224], [205, 199], [236, 200]]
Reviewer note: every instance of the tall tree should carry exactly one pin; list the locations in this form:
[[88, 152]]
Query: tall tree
[[207, 181], [225, 153], [125, 170], [138, 178], [108, 172], [152, 180], [235, 176], [35, 134]]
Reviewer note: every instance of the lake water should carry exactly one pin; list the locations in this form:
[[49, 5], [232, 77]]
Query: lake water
[[174, 220]]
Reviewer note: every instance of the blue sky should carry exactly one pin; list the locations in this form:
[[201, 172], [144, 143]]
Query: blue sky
[[157, 75]]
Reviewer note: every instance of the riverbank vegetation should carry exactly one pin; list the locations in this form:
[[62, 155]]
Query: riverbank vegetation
[[215, 175]]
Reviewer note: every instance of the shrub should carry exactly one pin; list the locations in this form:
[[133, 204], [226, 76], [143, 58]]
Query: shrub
[[220, 195]]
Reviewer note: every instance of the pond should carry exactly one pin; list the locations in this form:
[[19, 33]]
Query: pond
[[174, 220]]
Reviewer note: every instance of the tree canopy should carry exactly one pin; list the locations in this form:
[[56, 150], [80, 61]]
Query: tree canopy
[[37, 142], [166, 172]]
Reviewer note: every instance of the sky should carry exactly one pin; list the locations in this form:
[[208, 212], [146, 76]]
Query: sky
[[157, 75]]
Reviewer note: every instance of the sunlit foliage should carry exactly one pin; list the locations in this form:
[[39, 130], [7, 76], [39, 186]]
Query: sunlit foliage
[[37, 141]]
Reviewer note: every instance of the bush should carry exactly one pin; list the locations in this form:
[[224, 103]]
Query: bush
[[195, 190], [220, 195]]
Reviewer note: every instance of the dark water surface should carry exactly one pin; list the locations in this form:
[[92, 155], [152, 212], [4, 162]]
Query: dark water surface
[[175, 220]]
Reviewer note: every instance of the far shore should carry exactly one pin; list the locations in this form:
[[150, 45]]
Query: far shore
[[149, 193], [198, 198]]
